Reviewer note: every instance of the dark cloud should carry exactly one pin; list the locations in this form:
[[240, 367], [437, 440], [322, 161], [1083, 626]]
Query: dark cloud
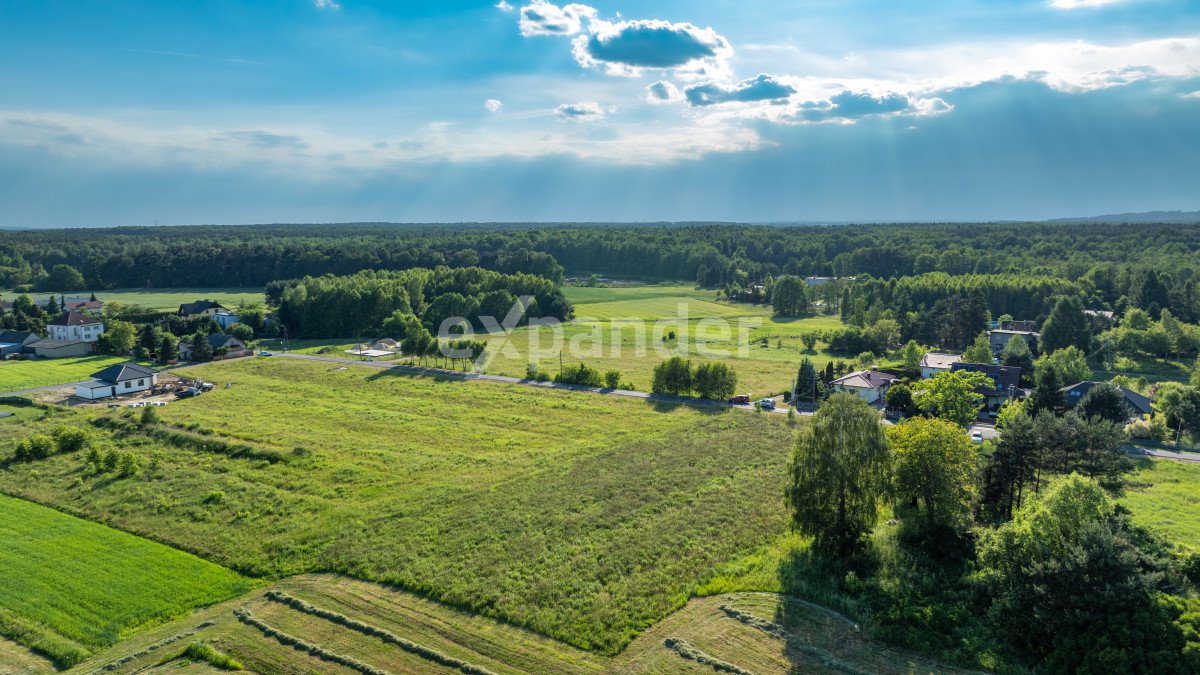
[[761, 88], [649, 44]]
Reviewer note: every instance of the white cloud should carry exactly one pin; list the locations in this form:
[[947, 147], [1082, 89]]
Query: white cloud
[[326, 4], [762, 88], [1194, 94], [631, 47], [543, 18], [493, 105], [1080, 4], [663, 92], [585, 110], [503, 6]]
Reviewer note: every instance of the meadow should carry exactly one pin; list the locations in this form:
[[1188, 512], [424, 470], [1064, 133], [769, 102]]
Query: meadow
[[583, 517], [31, 374], [165, 299], [1165, 496], [71, 587]]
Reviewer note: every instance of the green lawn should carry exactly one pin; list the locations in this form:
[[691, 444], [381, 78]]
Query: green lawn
[[583, 517], [167, 298], [17, 375], [1166, 497], [71, 586]]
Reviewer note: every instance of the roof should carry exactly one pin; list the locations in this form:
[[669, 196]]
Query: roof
[[217, 340], [15, 337], [1014, 332], [84, 304], [1004, 377], [939, 360], [123, 371], [1107, 314], [94, 384], [72, 318], [1075, 393], [199, 306], [55, 344], [865, 379]]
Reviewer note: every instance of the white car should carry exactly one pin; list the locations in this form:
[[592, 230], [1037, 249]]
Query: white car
[[977, 436]]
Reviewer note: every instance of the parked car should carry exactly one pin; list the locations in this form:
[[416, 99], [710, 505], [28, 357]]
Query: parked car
[[266, 353], [188, 393], [977, 436], [740, 399], [206, 386], [767, 403]]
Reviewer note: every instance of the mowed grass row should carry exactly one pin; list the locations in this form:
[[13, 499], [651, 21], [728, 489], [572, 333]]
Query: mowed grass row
[[18, 375], [92, 584], [583, 517]]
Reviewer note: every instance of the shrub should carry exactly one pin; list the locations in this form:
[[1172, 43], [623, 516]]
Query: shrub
[[37, 446], [71, 439], [612, 379], [579, 374], [150, 416], [1149, 429]]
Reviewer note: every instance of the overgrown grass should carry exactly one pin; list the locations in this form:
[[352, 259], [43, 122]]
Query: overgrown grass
[[168, 298], [72, 586], [584, 517], [31, 374], [1165, 496]]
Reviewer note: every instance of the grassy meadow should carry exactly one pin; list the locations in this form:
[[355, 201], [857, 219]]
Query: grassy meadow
[[1165, 496], [71, 586], [165, 298], [586, 518], [19, 375]]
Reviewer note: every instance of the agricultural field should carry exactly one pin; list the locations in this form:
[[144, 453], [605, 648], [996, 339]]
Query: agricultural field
[[583, 517], [73, 587], [19, 375], [165, 298], [334, 614]]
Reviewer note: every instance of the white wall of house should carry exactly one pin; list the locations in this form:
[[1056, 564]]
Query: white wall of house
[[928, 372], [86, 333], [868, 394], [94, 390]]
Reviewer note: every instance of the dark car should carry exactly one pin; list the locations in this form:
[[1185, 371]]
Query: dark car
[[740, 399], [188, 393]]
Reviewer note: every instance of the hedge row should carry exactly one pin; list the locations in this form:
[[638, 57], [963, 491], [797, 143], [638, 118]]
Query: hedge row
[[189, 441], [247, 618], [153, 647], [794, 641], [689, 652], [367, 629]]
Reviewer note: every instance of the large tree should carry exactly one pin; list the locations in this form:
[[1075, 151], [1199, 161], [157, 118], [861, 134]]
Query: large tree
[[1104, 401], [1017, 354], [789, 297], [1069, 364], [672, 376], [714, 380], [1047, 392], [806, 382], [1066, 326], [952, 396], [839, 472], [935, 473], [119, 338], [980, 350]]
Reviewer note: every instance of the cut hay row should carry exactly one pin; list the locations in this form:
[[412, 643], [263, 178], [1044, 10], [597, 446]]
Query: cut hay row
[[187, 440], [62, 651], [148, 649], [373, 631], [794, 641], [687, 651], [247, 618]]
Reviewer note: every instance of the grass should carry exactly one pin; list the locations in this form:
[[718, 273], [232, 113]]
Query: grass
[[166, 298], [18, 375], [1165, 496], [584, 517], [90, 585], [809, 638]]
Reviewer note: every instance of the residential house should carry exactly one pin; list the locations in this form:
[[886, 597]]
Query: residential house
[[1004, 383], [85, 305], [818, 281], [1101, 319], [225, 319], [999, 339], [227, 345], [869, 385], [936, 362], [117, 380], [1137, 404], [59, 349], [200, 308], [15, 341], [74, 326]]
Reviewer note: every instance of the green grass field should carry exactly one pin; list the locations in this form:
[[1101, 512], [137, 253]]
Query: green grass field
[[80, 586], [583, 517], [1165, 496], [167, 298], [18, 375]]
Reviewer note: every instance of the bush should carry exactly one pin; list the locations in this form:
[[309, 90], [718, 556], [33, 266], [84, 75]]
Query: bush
[[37, 446], [612, 379], [1149, 429], [580, 374], [673, 376], [150, 416], [714, 381], [71, 439]]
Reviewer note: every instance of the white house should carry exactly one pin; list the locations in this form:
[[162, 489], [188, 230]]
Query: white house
[[937, 362], [870, 385], [73, 326], [999, 339], [117, 380], [225, 319]]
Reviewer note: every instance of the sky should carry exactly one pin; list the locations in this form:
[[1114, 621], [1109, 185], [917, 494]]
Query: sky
[[132, 113]]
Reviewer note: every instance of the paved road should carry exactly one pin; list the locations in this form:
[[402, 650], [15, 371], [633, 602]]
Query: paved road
[[1163, 454]]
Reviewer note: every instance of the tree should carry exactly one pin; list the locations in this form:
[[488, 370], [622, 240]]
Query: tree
[[911, 354], [52, 306], [935, 473], [672, 376], [883, 335], [789, 297], [1017, 354], [1136, 319], [1047, 393], [1069, 586], [1181, 406], [714, 381], [809, 339], [148, 337], [241, 331], [1069, 365], [1067, 326], [899, 397], [839, 472], [201, 351], [168, 348], [612, 379], [64, 278], [1104, 401], [806, 382], [118, 338], [980, 350], [952, 396]]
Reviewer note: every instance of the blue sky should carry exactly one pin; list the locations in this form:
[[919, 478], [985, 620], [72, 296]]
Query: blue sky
[[320, 111]]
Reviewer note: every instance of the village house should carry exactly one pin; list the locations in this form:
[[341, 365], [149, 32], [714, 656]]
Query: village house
[[1004, 388], [15, 342], [200, 308], [1137, 405], [998, 339], [85, 305], [225, 319], [117, 380], [869, 385], [935, 362], [74, 326], [222, 345]]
